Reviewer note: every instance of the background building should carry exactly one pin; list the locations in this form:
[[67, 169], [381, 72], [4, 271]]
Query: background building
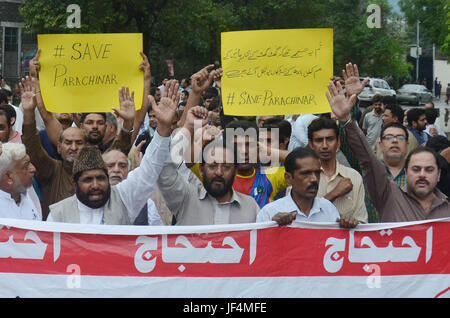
[[16, 47]]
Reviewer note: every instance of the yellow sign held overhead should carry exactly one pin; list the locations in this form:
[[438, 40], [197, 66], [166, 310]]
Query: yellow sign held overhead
[[276, 72], [83, 72]]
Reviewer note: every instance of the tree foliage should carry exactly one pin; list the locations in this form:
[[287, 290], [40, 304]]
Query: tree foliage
[[189, 31], [433, 15]]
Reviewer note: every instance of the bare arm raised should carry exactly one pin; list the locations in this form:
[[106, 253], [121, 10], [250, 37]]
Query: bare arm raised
[[200, 82]]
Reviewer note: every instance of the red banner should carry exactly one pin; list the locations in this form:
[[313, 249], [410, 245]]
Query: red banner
[[324, 256]]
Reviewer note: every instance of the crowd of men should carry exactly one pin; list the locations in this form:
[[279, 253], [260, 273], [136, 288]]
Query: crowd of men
[[179, 160]]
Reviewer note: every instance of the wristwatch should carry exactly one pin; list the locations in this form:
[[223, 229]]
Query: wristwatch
[[128, 131], [346, 122]]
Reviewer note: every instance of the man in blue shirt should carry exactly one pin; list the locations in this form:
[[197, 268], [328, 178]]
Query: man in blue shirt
[[417, 123], [302, 204]]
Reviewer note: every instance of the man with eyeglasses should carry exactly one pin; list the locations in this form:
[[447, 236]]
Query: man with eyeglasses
[[419, 199], [394, 147], [394, 114]]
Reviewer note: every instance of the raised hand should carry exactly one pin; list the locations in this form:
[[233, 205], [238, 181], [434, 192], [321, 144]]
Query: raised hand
[[127, 108], [145, 67], [28, 93], [217, 77], [340, 104], [196, 114], [34, 65], [138, 154], [165, 110], [353, 84], [201, 80], [206, 133]]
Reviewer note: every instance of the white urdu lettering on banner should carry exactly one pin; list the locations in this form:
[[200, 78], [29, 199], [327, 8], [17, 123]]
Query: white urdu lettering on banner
[[190, 254], [375, 254], [148, 244], [332, 261], [56, 245], [408, 252], [23, 250]]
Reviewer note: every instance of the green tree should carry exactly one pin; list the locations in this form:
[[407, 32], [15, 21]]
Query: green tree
[[379, 52], [186, 31], [189, 31], [433, 15]]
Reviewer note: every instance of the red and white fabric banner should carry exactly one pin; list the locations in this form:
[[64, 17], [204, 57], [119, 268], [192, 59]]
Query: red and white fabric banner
[[43, 259]]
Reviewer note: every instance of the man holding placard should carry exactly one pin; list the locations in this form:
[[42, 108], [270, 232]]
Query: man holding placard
[[96, 201], [93, 124]]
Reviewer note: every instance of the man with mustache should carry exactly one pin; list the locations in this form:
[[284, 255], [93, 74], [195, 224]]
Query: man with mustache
[[341, 185], [302, 204], [117, 164], [54, 176], [417, 123], [394, 114], [214, 202], [96, 201], [419, 199], [16, 174]]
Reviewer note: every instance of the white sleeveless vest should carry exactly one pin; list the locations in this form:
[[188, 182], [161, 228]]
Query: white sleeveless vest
[[114, 211]]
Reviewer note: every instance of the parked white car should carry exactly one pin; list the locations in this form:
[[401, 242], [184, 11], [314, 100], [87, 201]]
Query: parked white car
[[376, 86], [414, 94]]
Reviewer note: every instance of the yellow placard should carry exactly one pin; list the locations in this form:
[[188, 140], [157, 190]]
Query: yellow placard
[[276, 72], [83, 72]]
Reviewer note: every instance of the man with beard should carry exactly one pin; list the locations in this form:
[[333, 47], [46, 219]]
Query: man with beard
[[251, 177], [94, 127], [419, 199], [302, 204], [417, 123], [214, 202], [16, 174], [96, 201]]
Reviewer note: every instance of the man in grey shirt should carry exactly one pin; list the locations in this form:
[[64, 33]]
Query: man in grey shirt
[[373, 121], [214, 201]]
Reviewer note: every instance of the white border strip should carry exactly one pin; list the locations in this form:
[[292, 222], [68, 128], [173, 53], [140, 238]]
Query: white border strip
[[157, 230]]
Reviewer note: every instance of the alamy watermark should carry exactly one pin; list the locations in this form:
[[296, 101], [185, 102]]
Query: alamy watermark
[[374, 19], [74, 279], [374, 279], [74, 19]]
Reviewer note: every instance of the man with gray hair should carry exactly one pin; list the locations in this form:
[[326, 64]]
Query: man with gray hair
[[16, 174], [110, 131]]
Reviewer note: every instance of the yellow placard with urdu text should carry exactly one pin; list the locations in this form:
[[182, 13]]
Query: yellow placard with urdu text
[[276, 72], [83, 72]]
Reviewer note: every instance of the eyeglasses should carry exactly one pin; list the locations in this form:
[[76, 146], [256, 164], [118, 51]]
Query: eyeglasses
[[390, 137]]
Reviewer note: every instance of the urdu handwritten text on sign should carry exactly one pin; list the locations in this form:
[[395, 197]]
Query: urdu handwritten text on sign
[[83, 72], [276, 72]]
